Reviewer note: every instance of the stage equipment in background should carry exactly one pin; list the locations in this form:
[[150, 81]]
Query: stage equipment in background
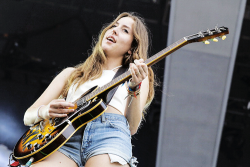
[[197, 80]]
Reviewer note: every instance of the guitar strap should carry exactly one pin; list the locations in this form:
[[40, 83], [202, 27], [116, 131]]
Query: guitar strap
[[112, 91]]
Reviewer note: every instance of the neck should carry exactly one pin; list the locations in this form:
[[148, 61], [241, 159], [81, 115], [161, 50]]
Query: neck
[[112, 62]]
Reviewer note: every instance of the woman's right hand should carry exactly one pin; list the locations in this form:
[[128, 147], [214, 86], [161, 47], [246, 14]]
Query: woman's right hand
[[56, 108], [45, 106]]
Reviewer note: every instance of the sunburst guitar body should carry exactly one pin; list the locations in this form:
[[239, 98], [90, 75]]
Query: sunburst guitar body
[[45, 137]]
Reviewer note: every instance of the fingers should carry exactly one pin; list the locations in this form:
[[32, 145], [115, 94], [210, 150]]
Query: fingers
[[141, 66], [60, 108], [60, 103], [139, 71]]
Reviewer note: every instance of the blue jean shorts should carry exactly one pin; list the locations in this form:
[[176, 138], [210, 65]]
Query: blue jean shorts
[[107, 134]]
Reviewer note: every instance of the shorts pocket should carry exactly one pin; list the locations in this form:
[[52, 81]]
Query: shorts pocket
[[121, 126]]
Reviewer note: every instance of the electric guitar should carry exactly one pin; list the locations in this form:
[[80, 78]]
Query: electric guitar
[[46, 136]]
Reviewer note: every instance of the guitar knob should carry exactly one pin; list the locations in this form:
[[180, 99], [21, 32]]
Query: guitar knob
[[29, 146], [40, 136], [37, 146], [48, 137]]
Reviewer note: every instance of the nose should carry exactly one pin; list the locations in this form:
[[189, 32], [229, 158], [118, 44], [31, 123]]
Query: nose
[[115, 31]]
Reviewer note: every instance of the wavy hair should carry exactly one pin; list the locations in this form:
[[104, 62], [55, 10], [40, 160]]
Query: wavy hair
[[92, 68]]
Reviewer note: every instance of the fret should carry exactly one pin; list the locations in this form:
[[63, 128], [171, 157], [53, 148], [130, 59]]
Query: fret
[[114, 81], [120, 77], [89, 95], [172, 46], [175, 44], [111, 83], [108, 85], [92, 94], [98, 91]]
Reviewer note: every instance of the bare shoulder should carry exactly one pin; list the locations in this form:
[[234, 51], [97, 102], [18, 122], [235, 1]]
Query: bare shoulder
[[66, 72]]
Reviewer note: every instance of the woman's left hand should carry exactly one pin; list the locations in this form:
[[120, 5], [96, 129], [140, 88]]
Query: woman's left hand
[[139, 71]]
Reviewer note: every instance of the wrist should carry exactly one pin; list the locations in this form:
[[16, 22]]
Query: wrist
[[37, 112], [133, 92], [43, 112], [132, 86]]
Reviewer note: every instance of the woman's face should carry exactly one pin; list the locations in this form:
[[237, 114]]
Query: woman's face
[[118, 39]]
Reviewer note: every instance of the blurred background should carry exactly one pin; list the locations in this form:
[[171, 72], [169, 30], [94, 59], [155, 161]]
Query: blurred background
[[39, 38]]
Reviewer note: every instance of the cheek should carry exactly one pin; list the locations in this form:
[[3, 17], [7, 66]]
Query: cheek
[[129, 44], [103, 44]]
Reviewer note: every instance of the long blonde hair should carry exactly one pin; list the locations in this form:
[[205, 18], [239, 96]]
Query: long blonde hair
[[92, 68]]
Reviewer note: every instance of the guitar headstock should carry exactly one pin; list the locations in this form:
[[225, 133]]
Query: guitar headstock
[[212, 34]]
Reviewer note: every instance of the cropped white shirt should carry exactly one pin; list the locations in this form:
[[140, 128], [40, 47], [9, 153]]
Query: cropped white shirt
[[119, 99]]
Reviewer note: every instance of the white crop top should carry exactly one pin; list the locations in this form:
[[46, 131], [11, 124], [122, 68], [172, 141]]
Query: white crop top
[[118, 101]]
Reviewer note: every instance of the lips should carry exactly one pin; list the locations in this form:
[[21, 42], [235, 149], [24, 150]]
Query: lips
[[111, 38]]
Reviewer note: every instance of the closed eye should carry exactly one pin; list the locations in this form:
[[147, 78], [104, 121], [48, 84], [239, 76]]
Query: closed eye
[[125, 30]]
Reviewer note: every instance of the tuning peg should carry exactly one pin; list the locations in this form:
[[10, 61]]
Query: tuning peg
[[206, 42], [223, 37], [214, 39]]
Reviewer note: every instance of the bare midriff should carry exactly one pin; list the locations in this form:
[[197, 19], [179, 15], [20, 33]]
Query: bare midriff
[[113, 110]]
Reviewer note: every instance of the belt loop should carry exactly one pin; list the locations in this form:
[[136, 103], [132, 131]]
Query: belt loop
[[103, 118]]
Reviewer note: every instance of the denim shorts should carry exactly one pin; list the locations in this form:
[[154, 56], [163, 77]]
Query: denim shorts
[[107, 134]]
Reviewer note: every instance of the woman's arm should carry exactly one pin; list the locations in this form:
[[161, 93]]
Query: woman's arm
[[48, 105], [134, 109]]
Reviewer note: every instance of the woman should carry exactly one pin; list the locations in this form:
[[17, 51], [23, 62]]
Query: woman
[[106, 141]]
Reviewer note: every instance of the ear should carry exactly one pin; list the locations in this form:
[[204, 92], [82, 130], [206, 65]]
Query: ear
[[129, 52]]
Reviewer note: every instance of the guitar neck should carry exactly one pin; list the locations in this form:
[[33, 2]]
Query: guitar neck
[[165, 52], [149, 62]]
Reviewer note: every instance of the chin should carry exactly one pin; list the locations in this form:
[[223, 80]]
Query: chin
[[104, 46]]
